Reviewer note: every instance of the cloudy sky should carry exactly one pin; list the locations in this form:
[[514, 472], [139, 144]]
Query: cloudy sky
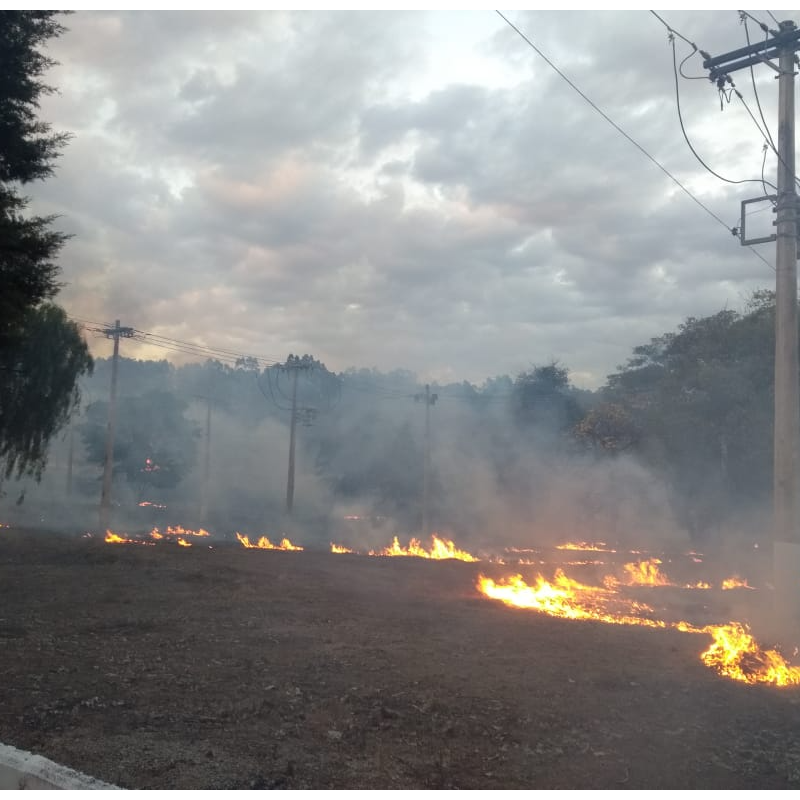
[[414, 190]]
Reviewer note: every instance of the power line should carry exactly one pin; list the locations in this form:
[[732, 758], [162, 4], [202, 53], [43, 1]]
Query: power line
[[180, 346], [753, 79], [222, 351], [744, 15], [694, 47], [620, 130], [683, 128]]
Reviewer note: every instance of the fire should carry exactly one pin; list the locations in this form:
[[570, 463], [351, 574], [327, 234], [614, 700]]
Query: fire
[[155, 535], [265, 544], [440, 549], [735, 582], [564, 597], [645, 573], [597, 547], [737, 655], [178, 530], [734, 653], [338, 548], [113, 538]]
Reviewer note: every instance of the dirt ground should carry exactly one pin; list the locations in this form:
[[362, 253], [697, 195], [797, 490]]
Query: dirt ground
[[193, 668]]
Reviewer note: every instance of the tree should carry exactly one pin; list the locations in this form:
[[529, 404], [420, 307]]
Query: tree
[[40, 390], [41, 353], [699, 402], [28, 149], [543, 400]]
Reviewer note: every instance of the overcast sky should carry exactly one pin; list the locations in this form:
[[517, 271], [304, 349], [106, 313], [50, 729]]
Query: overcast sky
[[414, 190]]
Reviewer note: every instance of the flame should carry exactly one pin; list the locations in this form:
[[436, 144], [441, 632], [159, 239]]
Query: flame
[[265, 544], [156, 535], [597, 547], [113, 538], [148, 504], [178, 530], [338, 548], [735, 582], [440, 549], [734, 653], [565, 597], [645, 573]]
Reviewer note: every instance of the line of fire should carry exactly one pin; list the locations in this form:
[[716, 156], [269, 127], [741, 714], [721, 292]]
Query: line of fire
[[615, 599]]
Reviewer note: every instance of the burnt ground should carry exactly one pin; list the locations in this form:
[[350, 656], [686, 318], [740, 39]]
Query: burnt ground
[[166, 667]]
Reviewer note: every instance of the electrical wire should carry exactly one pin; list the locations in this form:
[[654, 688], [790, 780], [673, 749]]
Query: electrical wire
[[620, 130], [677, 33], [755, 90], [780, 158], [763, 165], [745, 14], [686, 135]]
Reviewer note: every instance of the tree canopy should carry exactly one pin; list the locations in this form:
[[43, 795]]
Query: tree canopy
[[42, 353], [40, 390]]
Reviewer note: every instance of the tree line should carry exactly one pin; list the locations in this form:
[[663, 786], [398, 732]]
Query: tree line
[[693, 408]]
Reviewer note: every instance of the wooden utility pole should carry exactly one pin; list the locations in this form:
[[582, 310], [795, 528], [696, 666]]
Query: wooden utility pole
[[114, 333]]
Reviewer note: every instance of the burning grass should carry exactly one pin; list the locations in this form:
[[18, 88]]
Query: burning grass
[[733, 653]]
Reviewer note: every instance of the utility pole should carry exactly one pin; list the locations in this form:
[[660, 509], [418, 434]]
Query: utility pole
[[294, 365], [70, 455], [429, 400], [115, 333], [787, 398], [206, 464], [786, 479]]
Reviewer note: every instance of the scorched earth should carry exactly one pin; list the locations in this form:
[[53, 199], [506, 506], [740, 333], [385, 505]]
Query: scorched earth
[[222, 665]]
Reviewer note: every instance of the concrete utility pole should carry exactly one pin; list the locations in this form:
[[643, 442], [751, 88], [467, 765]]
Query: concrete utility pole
[[114, 333], [206, 464], [293, 365], [429, 399], [787, 396], [786, 479]]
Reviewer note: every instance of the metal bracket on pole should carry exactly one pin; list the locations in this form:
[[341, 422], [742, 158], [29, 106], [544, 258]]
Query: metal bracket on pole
[[763, 239], [742, 227]]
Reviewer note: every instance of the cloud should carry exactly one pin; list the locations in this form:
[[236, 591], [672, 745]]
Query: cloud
[[328, 183]]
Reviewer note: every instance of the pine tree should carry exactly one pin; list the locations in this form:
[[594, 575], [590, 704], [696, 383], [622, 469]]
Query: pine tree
[[42, 353]]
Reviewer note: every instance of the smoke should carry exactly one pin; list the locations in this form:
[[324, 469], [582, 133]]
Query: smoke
[[495, 481], [248, 480], [509, 489]]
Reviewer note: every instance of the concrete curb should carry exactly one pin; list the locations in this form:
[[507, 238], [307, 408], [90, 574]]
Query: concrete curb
[[22, 770]]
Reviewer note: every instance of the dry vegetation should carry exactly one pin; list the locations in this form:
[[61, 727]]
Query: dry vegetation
[[168, 667]]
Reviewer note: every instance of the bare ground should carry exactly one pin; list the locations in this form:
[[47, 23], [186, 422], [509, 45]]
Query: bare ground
[[165, 667]]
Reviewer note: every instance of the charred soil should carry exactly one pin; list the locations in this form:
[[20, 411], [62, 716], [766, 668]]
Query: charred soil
[[161, 667]]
